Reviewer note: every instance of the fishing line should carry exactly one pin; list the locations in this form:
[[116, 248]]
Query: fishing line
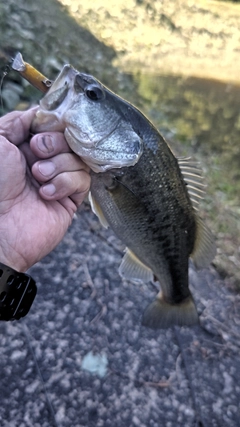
[[5, 73]]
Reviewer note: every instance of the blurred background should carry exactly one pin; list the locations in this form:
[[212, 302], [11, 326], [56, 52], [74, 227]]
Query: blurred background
[[178, 61]]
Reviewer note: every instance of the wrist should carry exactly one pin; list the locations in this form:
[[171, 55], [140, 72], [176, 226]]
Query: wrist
[[17, 293], [13, 261]]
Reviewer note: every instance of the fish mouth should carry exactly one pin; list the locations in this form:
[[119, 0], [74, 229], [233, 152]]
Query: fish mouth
[[68, 81], [53, 105], [55, 99], [61, 97], [46, 122], [58, 92]]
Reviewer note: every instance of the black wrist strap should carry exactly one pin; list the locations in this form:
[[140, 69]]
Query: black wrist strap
[[17, 292]]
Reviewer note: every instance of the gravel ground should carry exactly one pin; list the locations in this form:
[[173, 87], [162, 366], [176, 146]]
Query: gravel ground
[[175, 377]]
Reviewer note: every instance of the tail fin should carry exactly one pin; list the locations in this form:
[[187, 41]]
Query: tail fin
[[160, 314]]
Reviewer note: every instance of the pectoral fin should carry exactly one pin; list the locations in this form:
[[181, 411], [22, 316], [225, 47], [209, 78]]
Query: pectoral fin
[[96, 208], [132, 268], [160, 314]]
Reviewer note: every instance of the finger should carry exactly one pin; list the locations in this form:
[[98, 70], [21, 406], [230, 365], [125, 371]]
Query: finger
[[48, 144], [69, 205], [12, 170], [8, 150], [45, 170], [28, 154], [15, 126], [68, 184]]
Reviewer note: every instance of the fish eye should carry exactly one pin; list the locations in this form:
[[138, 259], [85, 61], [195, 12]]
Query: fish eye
[[94, 93]]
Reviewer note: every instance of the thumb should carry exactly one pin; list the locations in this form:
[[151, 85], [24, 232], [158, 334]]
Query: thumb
[[12, 170], [15, 126]]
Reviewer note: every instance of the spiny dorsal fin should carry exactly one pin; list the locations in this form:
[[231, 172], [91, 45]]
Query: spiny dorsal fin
[[132, 268], [96, 208], [204, 248], [192, 175]]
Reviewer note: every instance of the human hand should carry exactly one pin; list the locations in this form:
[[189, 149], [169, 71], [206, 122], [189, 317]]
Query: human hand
[[42, 184]]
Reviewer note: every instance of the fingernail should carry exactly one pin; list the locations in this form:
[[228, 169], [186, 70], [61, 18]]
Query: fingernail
[[45, 143], [49, 189], [46, 168]]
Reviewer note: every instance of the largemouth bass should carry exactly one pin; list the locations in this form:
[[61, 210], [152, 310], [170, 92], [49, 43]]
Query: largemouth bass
[[139, 188]]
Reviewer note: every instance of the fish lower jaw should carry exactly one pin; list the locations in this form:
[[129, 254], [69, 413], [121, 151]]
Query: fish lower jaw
[[45, 121]]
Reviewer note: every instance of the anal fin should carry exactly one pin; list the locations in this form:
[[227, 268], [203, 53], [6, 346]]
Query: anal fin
[[132, 268]]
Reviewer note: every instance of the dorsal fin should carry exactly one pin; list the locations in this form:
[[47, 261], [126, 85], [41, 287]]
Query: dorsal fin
[[132, 268], [96, 208], [204, 247], [193, 178]]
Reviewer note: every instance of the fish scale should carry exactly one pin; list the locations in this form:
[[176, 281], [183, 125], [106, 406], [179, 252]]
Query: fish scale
[[148, 207]]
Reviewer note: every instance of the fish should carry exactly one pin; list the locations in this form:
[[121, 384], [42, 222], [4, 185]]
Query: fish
[[139, 188]]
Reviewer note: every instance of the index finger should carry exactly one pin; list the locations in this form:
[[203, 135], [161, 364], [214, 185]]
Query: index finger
[[15, 126], [49, 144]]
